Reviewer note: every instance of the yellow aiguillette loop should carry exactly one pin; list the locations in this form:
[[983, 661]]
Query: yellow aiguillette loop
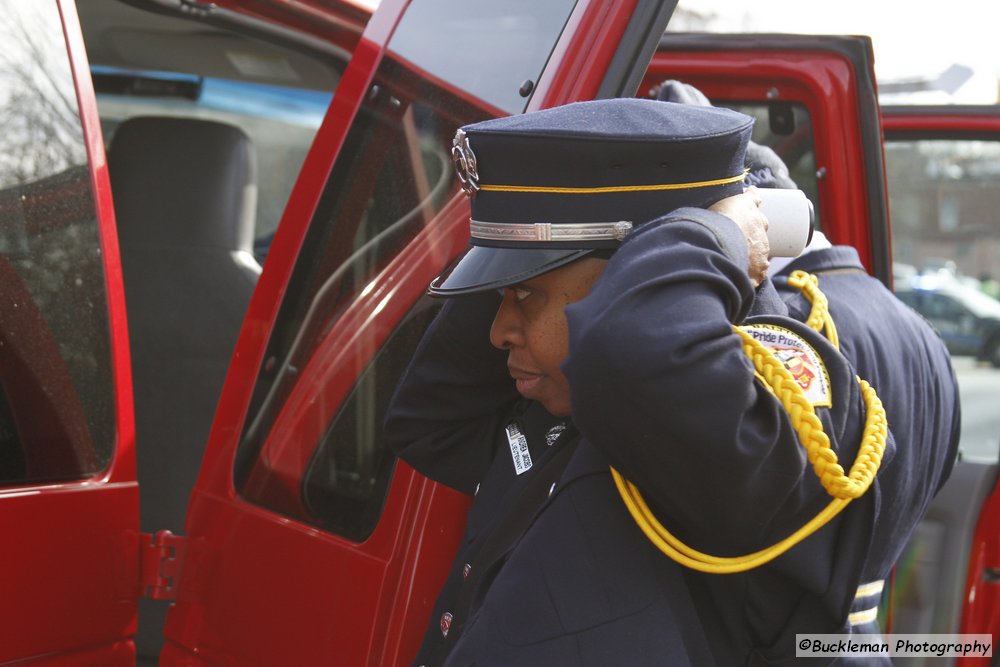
[[843, 488]]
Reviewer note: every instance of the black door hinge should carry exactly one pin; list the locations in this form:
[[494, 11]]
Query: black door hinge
[[161, 557]]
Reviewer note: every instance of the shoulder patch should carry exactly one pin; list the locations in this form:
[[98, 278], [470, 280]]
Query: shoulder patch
[[799, 357]]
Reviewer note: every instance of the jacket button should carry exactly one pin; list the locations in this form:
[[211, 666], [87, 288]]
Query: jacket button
[[445, 623], [466, 570], [552, 489]]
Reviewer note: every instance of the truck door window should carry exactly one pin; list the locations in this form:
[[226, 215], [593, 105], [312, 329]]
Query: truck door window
[[279, 121], [56, 394], [787, 129], [393, 177], [943, 197], [476, 34]]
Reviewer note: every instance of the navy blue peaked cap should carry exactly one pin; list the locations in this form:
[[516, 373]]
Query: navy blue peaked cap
[[551, 186], [764, 168]]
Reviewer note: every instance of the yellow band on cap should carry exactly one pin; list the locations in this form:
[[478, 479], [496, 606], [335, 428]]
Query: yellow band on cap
[[614, 188]]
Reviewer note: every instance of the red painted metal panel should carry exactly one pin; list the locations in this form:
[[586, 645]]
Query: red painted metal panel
[[122, 468], [70, 570], [340, 22], [121, 654], [942, 122], [71, 561], [981, 614], [261, 591], [428, 553], [580, 57], [297, 610]]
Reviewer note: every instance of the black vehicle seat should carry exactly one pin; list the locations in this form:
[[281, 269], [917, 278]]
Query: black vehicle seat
[[185, 194]]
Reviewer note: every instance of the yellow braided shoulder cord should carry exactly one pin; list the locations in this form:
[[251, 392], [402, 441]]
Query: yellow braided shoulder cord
[[843, 488], [819, 316]]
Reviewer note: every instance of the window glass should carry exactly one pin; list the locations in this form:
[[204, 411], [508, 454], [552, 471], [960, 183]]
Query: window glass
[[351, 468], [273, 84], [787, 129], [944, 195], [398, 168], [475, 33], [56, 393], [392, 178], [280, 121]]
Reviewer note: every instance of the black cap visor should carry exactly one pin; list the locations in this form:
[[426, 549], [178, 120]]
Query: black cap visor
[[482, 268]]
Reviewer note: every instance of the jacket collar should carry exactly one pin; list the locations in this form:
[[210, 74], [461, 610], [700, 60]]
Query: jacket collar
[[824, 259]]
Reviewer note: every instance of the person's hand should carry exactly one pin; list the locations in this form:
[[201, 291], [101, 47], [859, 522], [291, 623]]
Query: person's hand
[[744, 210]]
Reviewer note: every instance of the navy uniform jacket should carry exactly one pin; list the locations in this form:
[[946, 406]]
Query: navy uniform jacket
[[662, 390], [901, 355], [448, 420]]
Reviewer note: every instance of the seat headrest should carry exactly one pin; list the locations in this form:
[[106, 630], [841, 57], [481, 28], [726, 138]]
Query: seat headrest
[[183, 181]]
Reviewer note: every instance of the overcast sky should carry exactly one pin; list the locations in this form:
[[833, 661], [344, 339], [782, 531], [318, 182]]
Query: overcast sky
[[909, 41]]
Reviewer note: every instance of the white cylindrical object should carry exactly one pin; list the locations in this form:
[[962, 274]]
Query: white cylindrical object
[[789, 216]]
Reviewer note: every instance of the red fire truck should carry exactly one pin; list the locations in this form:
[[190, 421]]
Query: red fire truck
[[217, 223]]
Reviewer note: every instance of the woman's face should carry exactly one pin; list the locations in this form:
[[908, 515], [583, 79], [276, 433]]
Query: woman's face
[[531, 325]]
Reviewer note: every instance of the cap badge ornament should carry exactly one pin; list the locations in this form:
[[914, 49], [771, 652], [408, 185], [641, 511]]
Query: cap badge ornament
[[445, 623], [465, 163], [554, 433], [621, 229]]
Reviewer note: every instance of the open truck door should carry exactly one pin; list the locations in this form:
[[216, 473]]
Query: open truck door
[[307, 542], [69, 504]]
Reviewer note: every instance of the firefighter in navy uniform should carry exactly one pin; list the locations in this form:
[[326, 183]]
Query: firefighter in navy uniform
[[892, 347], [604, 399], [899, 352]]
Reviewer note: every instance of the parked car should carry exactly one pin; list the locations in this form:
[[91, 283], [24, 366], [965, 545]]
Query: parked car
[[150, 147], [967, 318]]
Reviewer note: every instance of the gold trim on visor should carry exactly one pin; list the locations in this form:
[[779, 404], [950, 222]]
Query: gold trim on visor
[[547, 231], [613, 188]]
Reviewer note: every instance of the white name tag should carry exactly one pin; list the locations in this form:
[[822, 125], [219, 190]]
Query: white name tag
[[518, 448]]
